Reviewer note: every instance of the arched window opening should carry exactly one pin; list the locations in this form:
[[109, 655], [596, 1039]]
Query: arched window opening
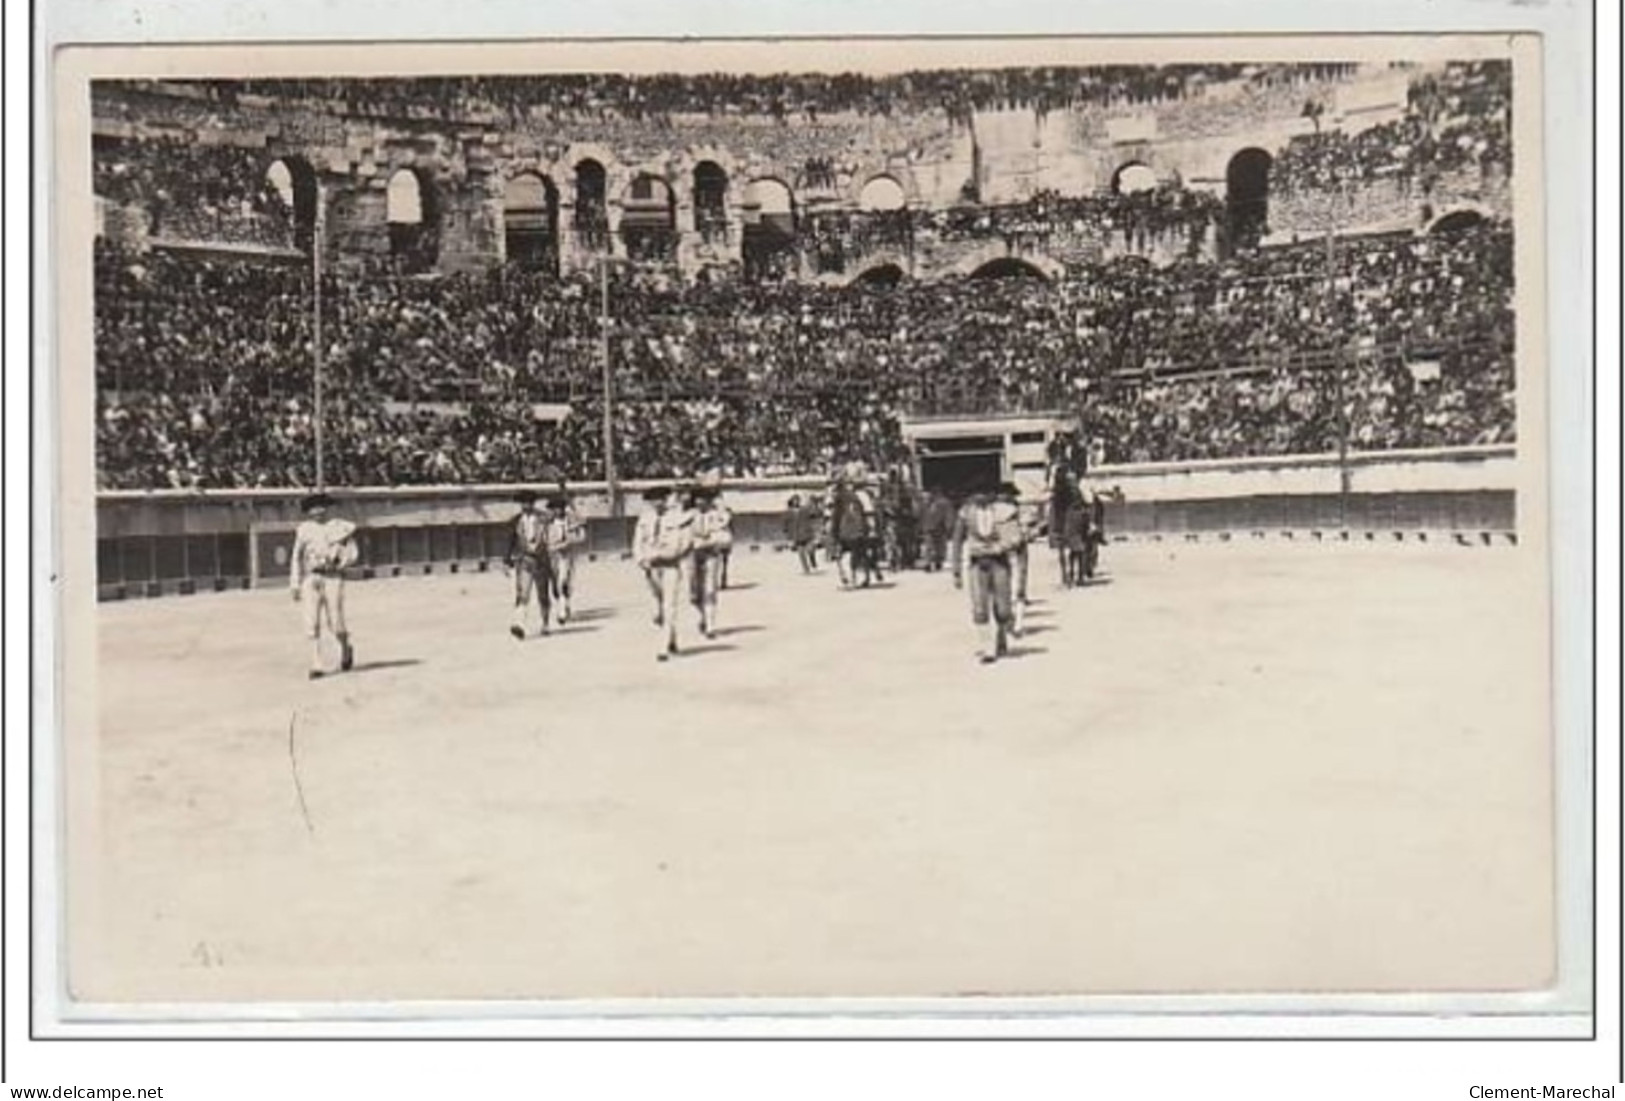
[[711, 202], [768, 238], [882, 277], [1133, 178], [414, 231], [649, 220], [1247, 197], [592, 209], [289, 202], [530, 219], [882, 193], [1009, 267], [1458, 221]]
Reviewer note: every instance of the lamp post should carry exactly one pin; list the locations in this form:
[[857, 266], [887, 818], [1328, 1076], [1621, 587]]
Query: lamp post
[[317, 244], [608, 386], [1339, 360], [607, 378]]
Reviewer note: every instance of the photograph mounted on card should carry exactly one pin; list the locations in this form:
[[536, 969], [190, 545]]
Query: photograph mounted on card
[[1037, 519]]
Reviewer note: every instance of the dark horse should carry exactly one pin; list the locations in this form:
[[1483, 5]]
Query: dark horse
[[1072, 529]]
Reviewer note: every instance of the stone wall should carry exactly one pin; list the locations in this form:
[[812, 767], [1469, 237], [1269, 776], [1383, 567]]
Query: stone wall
[[1009, 155]]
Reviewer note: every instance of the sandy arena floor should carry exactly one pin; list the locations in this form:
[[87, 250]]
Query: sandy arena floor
[[1224, 768]]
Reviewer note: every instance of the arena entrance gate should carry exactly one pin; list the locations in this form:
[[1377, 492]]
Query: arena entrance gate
[[958, 454]]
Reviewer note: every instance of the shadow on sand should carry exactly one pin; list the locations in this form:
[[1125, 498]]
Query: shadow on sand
[[1015, 653], [574, 627], [705, 648], [590, 615], [375, 666], [741, 629]]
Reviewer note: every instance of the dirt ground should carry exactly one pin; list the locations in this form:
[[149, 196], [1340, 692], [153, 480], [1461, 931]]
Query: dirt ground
[[1243, 767]]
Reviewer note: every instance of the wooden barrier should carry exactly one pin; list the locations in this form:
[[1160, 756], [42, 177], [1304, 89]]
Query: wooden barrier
[[162, 542]]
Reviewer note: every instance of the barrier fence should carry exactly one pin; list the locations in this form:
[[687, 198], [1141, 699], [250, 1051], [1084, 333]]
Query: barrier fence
[[161, 543]]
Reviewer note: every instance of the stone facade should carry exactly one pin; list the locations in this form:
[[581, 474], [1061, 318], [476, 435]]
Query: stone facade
[[1001, 156]]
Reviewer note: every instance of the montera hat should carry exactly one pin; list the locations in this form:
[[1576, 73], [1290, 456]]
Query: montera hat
[[313, 501], [524, 497]]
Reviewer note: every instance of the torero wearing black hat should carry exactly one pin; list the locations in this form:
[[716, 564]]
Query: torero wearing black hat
[[566, 539], [531, 564], [986, 535], [643, 540], [323, 546], [1020, 557], [713, 539], [663, 545]]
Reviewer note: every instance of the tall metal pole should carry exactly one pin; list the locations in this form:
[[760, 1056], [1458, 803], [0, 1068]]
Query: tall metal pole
[[609, 391], [1340, 362], [317, 243]]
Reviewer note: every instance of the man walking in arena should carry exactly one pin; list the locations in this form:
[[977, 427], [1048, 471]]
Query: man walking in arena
[[643, 539], [667, 555], [1097, 532], [1020, 558], [531, 563], [867, 492], [936, 526], [800, 528], [986, 535], [323, 546], [855, 521], [567, 539], [713, 538], [724, 518]]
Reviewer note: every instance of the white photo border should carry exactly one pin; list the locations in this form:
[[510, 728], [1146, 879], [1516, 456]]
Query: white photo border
[[1568, 219]]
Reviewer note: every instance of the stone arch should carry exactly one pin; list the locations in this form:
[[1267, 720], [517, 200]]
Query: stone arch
[[768, 241], [874, 263], [1459, 218], [710, 182], [648, 226], [769, 195], [881, 276], [856, 176], [1038, 263], [1009, 267], [1247, 195], [881, 192], [684, 164], [576, 152], [1134, 176], [292, 181], [589, 202], [530, 220], [412, 212]]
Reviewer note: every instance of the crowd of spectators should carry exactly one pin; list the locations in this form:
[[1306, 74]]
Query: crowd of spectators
[[1133, 218], [785, 96], [205, 365], [1459, 119], [818, 173], [195, 192]]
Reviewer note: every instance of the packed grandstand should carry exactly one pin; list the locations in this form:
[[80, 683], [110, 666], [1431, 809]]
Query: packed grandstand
[[1177, 316]]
